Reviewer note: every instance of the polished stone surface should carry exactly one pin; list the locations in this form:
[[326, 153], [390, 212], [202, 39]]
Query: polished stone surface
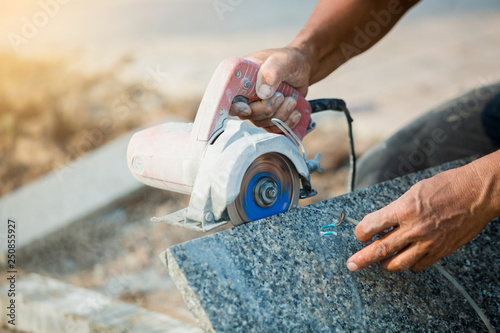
[[280, 275]]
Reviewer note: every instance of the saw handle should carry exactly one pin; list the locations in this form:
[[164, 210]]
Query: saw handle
[[287, 90], [302, 106], [238, 77]]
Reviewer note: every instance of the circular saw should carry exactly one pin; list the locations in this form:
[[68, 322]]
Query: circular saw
[[233, 171]]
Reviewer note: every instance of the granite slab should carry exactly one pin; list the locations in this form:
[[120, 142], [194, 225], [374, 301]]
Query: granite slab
[[280, 275]]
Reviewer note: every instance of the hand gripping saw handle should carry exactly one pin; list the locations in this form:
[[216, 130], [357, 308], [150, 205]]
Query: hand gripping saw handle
[[237, 77]]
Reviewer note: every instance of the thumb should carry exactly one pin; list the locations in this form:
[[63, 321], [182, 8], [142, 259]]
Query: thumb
[[272, 72]]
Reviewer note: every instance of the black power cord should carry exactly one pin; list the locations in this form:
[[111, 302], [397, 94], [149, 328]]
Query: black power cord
[[334, 104]]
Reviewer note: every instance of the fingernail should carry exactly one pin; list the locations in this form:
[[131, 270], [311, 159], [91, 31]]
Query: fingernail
[[296, 117], [277, 99], [243, 109], [352, 267], [265, 91], [291, 105]]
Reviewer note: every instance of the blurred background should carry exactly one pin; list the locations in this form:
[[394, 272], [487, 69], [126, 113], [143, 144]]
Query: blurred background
[[66, 67]]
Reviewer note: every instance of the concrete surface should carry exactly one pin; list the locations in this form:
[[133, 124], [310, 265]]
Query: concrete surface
[[86, 186], [280, 275], [83, 187], [45, 305]]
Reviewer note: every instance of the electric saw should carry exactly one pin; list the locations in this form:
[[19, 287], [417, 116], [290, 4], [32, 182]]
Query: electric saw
[[233, 170]]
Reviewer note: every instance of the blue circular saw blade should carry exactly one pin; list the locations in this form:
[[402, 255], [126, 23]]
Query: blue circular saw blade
[[253, 211], [269, 165]]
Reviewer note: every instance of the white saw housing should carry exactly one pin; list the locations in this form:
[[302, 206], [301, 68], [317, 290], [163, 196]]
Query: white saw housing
[[212, 176]]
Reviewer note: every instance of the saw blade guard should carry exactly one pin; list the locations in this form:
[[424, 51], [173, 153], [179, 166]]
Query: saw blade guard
[[226, 162]]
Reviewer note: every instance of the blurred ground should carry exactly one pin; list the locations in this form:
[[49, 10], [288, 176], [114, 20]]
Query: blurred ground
[[52, 113], [119, 65], [117, 253]]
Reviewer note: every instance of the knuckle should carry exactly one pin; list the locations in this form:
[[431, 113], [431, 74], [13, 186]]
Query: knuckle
[[400, 266], [255, 107], [268, 111], [444, 250], [392, 269], [292, 102], [398, 210], [415, 232], [418, 268], [272, 75], [381, 249]]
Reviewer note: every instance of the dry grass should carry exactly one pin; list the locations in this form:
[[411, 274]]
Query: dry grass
[[52, 113]]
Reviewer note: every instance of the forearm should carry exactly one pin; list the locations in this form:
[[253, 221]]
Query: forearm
[[341, 29], [336, 31]]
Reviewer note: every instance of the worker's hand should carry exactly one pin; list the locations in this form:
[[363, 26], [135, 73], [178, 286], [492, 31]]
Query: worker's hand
[[430, 221], [288, 64]]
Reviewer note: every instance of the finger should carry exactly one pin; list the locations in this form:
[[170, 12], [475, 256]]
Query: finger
[[425, 262], [265, 109], [240, 109], [378, 250], [269, 126], [285, 113], [288, 113], [404, 259], [375, 223], [293, 119], [272, 72]]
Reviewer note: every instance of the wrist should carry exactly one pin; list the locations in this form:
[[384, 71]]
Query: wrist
[[320, 52], [485, 178], [305, 44]]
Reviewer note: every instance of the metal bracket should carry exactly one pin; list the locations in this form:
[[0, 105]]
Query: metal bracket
[[179, 219], [306, 191]]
